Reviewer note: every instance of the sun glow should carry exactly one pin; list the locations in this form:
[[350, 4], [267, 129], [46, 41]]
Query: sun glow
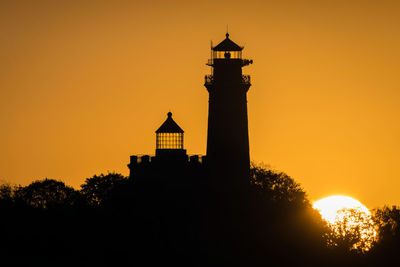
[[349, 219], [328, 207]]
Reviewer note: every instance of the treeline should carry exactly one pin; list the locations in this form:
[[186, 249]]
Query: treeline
[[111, 221]]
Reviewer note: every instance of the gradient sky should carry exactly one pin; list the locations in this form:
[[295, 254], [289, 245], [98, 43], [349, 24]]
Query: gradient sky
[[84, 84]]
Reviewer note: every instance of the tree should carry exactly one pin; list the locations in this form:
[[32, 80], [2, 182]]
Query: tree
[[46, 194], [277, 186], [353, 230], [388, 223], [286, 221], [7, 195], [6, 192], [101, 188]]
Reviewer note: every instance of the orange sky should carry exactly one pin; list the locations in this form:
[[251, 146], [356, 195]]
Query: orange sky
[[84, 84]]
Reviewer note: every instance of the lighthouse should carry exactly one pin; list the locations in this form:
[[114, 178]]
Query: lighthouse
[[228, 157]]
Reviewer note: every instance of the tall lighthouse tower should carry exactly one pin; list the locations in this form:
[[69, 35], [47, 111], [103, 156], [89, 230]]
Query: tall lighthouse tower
[[227, 138]]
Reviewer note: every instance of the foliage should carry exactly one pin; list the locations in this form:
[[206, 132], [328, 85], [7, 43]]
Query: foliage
[[101, 188], [277, 186], [288, 221], [45, 194], [352, 230], [388, 223], [280, 227], [6, 192]]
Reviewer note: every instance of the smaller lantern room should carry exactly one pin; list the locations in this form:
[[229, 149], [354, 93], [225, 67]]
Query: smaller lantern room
[[169, 138]]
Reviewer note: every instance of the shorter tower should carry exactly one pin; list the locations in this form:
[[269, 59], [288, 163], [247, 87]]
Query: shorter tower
[[167, 189], [170, 159]]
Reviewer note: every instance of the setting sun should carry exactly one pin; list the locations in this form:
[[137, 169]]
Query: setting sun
[[330, 206], [348, 216]]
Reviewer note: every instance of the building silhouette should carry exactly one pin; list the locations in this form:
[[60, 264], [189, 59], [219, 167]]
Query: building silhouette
[[170, 156], [227, 162], [227, 137]]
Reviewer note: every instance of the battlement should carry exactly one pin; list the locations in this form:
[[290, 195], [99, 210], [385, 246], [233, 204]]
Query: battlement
[[136, 160], [143, 165]]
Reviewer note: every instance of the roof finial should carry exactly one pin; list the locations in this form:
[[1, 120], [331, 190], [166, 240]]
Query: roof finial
[[227, 31], [169, 114]]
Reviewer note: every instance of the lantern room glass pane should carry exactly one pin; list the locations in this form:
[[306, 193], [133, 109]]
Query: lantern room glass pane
[[169, 141]]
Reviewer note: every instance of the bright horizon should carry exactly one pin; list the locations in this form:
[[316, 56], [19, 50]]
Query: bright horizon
[[84, 85]]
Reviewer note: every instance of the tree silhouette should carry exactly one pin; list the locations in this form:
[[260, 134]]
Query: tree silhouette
[[287, 223], [277, 186], [101, 188], [388, 223], [46, 222], [46, 194], [387, 247], [354, 230], [6, 193]]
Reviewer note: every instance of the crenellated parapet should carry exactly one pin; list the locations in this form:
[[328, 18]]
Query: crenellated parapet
[[141, 166], [152, 159]]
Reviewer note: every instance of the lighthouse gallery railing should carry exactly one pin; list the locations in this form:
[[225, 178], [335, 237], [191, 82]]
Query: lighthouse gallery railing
[[209, 80]]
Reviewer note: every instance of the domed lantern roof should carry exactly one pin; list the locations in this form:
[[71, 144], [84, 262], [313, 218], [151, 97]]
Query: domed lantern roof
[[169, 126], [227, 45]]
